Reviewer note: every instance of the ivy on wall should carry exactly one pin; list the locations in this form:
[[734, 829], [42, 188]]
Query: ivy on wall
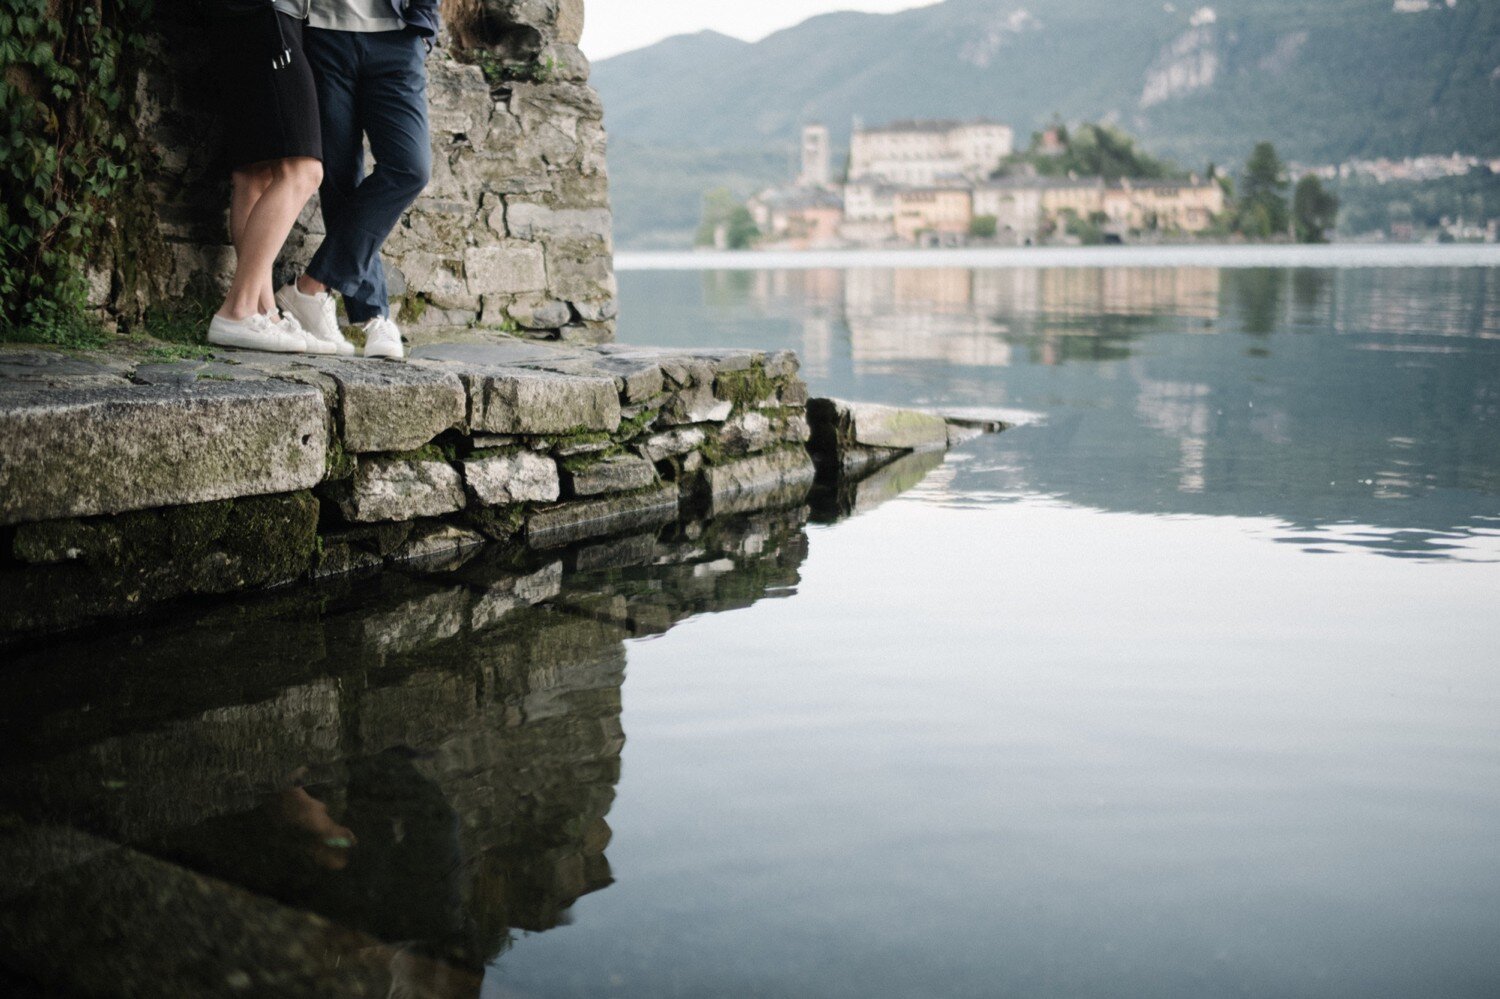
[[67, 155]]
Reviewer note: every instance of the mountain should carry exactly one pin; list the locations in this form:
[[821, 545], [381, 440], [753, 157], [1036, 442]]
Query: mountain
[[1325, 80]]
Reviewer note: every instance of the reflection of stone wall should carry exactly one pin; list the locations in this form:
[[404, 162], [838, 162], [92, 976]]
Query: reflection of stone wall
[[502, 682], [513, 231]]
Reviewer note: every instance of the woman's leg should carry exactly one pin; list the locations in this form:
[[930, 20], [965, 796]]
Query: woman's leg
[[267, 223], [246, 187]]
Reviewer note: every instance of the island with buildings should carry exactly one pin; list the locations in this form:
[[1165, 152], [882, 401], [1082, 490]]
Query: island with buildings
[[948, 183]]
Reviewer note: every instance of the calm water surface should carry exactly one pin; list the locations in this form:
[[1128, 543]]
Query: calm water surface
[[1189, 685]]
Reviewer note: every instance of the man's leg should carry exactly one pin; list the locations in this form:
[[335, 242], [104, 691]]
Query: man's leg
[[391, 108], [335, 57]]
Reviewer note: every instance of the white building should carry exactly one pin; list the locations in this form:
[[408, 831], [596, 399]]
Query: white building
[[817, 158], [869, 200], [922, 153], [1016, 207]]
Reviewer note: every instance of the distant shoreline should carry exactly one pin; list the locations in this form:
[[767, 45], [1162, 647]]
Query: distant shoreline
[[1339, 255]]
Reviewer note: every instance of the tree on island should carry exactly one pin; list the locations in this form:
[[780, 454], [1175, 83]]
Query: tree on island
[[722, 209], [1262, 211], [1314, 210], [1091, 150]]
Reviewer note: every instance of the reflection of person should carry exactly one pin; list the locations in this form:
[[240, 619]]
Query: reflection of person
[[327, 843], [275, 151], [368, 58], [390, 866]]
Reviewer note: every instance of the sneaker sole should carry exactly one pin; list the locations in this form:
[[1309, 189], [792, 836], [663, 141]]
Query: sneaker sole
[[253, 343]]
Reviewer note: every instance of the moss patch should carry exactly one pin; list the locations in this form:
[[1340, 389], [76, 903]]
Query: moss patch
[[745, 388], [201, 548], [499, 523]]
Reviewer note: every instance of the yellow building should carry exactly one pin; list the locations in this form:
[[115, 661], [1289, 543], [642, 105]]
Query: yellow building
[[1081, 197], [1182, 206], [943, 211]]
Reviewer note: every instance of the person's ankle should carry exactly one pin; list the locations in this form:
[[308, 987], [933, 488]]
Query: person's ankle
[[235, 312], [309, 286]]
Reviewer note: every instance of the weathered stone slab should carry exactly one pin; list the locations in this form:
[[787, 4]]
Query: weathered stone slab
[[618, 474], [517, 402], [42, 366], [568, 522], [78, 569], [747, 432], [772, 478], [873, 425], [522, 477], [510, 269], [695, 404], [672, 443], [439, 542], [400, 489], [83, 451], [396, 407]]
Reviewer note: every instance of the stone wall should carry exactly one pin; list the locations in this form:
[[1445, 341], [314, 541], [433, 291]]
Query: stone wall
[[512, 233], [128, 479]]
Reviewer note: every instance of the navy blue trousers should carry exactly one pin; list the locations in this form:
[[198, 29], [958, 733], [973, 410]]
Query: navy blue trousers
[[370, 85]]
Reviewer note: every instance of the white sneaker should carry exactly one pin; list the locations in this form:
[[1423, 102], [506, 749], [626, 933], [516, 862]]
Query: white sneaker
[[317, 315], [312, 344], [255, 332], [383, 338]]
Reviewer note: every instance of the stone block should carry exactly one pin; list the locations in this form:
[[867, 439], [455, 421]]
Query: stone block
[[543, 314], [395, 407], [439, 542], [871, 425], [775, 478], [621, 473], [388, 488], [505, 269], [584, 334], [436, 278], [747, 432], [530, 220], [570, 21], [568, 522], [536, 403], [597, 310], [522, 477], [84, 451], [793, 393], [672, 443]]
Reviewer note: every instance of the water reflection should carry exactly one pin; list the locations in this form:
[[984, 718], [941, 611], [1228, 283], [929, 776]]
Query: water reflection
[[426, 759], [1324, 397]]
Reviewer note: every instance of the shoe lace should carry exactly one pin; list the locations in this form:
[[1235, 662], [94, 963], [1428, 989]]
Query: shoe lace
[[330, 314], [260, 323]]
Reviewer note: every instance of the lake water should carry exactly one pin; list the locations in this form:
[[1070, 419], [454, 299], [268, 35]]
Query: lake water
[[1187, 685]]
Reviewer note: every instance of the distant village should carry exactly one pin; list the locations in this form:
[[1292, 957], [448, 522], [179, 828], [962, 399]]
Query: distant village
[[937, 183]]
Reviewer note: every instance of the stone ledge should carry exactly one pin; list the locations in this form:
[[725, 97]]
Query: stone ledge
[[77, 452], [134, 478]]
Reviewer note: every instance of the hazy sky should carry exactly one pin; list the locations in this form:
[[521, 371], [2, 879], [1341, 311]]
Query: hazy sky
[[615, 26]]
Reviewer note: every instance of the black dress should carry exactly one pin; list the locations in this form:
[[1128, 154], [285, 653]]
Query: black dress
[[268, 99]]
